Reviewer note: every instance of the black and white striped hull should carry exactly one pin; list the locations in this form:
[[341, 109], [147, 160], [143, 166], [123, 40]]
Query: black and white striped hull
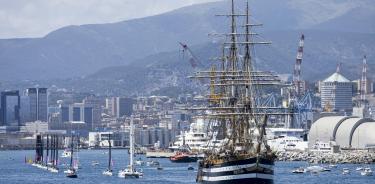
[[250, 171]]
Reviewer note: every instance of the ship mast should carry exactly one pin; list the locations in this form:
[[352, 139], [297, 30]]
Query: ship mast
[[235, 109]]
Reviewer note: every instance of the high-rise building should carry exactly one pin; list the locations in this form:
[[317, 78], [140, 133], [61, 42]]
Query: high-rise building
[[95, 103], [25, 110], [10, 109], [336, 93], [77, 112], [38, 104], [42, 104], [119, 106], [124, 106], [32, 93]]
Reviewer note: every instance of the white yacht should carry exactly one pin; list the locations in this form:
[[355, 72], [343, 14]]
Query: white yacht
[[196, 138], [287, 143]]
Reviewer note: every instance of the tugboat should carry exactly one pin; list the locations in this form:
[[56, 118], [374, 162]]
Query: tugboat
[[184, 154], [131, 171], [234, 114], [109, 171], [183, 157]]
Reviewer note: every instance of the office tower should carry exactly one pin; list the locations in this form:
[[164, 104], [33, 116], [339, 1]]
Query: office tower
[[38, 103], [78, 112], [124, 106], [42, 104], [336, 93], [93, 106], [10, 109]]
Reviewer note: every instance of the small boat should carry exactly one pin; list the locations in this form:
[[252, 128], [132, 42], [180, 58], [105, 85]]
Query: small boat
[[130, 173], [71, 173], [94, 163], [332, 166], [183, 157], [366, 172], [153, 163], [159, 167], [326, 169], [190, 168], [66, 153], [315, 169], [108, 172], [359, 169], [345, 171], [53, 170], [139, 162], [299, 170]]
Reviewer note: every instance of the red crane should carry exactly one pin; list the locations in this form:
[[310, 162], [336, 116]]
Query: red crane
[[297, 67], [194, 61]]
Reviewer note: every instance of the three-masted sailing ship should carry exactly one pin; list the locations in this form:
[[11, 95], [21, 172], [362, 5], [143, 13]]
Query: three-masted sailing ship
[[235, 116]]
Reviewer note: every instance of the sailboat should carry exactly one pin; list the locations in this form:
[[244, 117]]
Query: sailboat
[[71, 172], [54, 154], [38, 161], [236, 117], [131, 171], [109, 171]]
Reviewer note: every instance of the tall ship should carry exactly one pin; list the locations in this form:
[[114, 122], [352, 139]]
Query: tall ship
[[234, 115]]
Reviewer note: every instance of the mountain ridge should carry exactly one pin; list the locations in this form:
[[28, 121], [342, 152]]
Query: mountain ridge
[[78, 51]]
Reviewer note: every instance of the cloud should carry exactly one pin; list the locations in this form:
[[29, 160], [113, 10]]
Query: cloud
[[36, 18]]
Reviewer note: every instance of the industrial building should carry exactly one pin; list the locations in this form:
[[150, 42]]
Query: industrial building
[[344, 131]]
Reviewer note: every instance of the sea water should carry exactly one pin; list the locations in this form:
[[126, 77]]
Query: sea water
[[14, 170]]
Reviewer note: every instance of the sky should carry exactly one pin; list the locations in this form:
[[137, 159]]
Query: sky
[[36, 18]]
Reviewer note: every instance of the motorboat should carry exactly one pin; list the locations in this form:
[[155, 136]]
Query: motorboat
[[315, 169], [359, 169], [108, 172], [366, 172], [66, 153], [71, 173], [94, 163], [184, 157], [345, 171], [128, 173], [139, 162], [299, 170], [190, 168]]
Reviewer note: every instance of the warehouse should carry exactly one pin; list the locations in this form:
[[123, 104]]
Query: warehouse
[[345, 131]]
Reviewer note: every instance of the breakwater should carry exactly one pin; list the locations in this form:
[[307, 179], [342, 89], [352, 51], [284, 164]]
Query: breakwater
[[346, 156]]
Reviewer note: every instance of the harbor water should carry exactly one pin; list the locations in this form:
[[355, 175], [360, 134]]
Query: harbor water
[[14, 170]]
